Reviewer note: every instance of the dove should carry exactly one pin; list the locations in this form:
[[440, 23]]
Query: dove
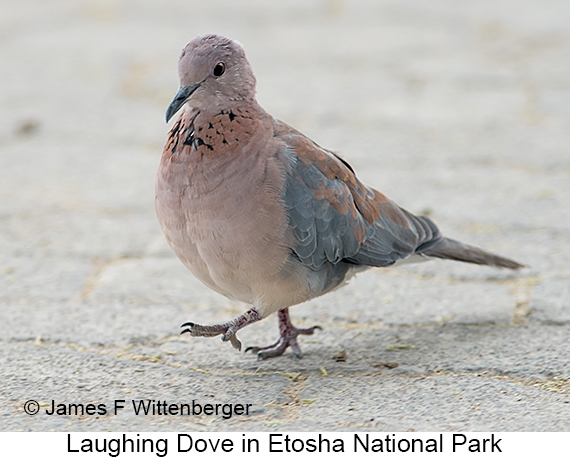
[[264, 215]]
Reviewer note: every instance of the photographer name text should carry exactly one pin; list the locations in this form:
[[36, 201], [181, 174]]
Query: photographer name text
[[147, 408]]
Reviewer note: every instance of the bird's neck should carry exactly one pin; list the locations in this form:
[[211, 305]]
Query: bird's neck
[[219, 131]]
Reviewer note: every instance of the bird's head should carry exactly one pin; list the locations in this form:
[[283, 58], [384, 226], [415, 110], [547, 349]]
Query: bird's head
[[213, 71]]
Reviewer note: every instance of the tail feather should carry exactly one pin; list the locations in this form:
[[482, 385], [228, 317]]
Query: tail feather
[[455, 250]]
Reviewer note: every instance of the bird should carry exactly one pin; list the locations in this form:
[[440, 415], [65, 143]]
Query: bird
[[262, 214]]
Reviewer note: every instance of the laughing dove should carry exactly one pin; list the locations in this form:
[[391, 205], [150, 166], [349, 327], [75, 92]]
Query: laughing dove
[[264, 215]]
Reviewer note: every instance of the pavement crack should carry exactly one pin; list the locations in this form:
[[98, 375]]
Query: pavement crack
[[293, 391], [93, 279], [522, 291]]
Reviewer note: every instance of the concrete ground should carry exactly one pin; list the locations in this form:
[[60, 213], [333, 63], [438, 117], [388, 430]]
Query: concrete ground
[[460, 110]]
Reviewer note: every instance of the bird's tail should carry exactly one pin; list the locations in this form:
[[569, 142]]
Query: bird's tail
[[455, 250]]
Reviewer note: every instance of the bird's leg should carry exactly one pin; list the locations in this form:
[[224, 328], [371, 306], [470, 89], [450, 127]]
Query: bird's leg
[[227, 330], [288, 337]]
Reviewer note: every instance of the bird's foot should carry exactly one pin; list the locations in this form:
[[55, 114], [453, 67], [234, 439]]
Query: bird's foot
[[287, 338], [228, 329]]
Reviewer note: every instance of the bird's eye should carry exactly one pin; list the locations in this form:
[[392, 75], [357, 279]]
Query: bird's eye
[[219, 69]]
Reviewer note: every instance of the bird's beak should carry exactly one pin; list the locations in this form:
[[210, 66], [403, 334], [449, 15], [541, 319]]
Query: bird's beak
[[180, 98]]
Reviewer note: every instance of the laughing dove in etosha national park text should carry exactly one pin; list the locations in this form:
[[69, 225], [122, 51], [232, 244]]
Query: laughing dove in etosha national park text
[[262, 214]]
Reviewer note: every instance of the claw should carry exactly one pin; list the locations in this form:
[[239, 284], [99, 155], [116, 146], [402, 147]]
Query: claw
[[228, 330], [287, 333], [187, 330], [235, 342], [310, 330], [287, 338], [296, 349]]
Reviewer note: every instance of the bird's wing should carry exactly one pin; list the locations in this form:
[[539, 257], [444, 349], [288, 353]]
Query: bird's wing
[[335, 217]]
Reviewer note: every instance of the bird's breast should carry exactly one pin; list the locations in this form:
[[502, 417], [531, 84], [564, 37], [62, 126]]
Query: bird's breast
[[223, 214]]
